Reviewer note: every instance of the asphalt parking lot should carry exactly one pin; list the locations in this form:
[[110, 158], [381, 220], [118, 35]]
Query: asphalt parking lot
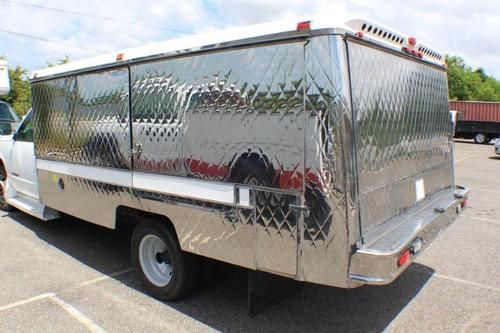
[[71, 276]]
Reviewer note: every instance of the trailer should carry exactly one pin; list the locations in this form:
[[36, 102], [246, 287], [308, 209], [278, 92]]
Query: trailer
[[4, 78], [477, 120], [304, 150]]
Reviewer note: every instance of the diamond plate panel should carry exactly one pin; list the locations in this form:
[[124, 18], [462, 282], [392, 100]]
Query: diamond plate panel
[[324, 241], [84, 119], [276, 232], [52, 103], [403, 131], [99, 124], [217, 116]]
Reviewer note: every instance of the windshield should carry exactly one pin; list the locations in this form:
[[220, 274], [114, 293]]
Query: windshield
[[6, 114]]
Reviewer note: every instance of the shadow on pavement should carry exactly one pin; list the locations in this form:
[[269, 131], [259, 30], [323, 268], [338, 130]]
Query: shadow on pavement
[[222, 304]]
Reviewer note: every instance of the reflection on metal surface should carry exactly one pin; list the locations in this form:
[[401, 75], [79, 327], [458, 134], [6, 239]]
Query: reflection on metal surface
[[402, 131], [84, 119], [324, 240], [201, 116], [276, 232]]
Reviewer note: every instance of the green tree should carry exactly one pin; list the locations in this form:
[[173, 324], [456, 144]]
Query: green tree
[[466, 84], [60, 61]]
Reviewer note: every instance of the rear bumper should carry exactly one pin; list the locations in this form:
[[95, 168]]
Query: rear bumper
[[376, 260]]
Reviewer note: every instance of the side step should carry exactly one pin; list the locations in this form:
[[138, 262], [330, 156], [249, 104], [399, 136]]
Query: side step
[[33, 207]]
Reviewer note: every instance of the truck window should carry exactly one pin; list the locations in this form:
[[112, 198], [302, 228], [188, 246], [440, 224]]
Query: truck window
[[25, 132], [6, 113]]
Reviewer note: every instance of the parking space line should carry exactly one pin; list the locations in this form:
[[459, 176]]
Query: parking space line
[[25, 301], [486, 190], [480, 285], [104, 277], [465, 158], [76, 314], [47, 295], [482, 219]]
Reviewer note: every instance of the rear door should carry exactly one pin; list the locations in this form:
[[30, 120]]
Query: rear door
[[402, 131]]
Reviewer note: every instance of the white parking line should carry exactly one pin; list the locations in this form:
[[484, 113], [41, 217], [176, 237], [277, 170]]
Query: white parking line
[[480, 285], [73, 312], [104, 277], [25, 301], [486, 190], [82, 284], [465, 158], [482, 219]]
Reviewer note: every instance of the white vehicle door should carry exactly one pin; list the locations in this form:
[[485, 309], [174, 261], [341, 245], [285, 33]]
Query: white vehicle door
[[22, 160]]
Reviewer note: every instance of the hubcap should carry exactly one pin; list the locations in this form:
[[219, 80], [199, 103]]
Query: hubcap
[[155, 261], [480, 137]]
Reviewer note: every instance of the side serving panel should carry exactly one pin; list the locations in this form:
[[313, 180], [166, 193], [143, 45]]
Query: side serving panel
[[82, 122]]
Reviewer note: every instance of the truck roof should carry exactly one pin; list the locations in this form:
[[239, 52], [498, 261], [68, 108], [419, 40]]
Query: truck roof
[[245, 35]]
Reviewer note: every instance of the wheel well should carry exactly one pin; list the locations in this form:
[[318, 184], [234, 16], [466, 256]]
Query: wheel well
[[128, 218], [248, 161], [2, 169]]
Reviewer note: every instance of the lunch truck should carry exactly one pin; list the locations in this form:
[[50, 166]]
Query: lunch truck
[[300, 150]]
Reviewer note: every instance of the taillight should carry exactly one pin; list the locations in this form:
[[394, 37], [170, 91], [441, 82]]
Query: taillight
[[404, 257]]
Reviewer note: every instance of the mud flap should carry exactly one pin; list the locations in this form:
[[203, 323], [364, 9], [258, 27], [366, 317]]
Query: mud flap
[[265, 289]]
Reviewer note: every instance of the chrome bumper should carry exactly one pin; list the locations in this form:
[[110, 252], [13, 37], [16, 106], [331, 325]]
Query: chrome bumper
[[376, 260]]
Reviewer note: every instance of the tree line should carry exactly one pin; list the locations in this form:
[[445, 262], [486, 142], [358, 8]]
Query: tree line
[[464, 83]]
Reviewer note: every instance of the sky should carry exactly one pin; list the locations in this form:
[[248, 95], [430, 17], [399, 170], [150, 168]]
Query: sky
[[462, 27]]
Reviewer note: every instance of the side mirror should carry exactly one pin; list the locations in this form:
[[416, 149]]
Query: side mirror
[[5, 128]]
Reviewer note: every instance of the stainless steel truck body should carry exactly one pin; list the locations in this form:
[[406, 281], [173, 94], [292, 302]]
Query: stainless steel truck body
[[320, 154]]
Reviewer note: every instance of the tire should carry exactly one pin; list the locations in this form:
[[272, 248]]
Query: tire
[[481, 138], [3, 203], [167, 272]]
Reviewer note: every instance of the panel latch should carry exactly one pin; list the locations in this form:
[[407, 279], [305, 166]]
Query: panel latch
[[300, 208]]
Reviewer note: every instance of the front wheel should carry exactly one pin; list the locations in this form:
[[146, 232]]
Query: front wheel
[[3, 203], [481, 138], [166, 271]]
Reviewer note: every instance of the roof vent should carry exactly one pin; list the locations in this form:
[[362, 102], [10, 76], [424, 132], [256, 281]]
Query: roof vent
[[376, 30]]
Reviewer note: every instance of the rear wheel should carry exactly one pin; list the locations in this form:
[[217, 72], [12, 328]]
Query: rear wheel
[[481, 138], [167, 272]]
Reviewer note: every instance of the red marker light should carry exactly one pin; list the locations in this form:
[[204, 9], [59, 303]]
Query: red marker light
[[412, 41], [360, 34], [404, 257], [464, 203], [119, 56], [306, 25]]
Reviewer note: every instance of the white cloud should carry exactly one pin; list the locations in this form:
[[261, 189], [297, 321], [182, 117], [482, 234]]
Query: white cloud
[[465, 28]]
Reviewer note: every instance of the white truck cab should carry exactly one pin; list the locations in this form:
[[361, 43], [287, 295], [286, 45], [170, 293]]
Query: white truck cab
[[19, 186]]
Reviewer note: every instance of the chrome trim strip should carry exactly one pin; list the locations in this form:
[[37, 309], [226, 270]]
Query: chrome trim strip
[[100, 174], [177, 186]]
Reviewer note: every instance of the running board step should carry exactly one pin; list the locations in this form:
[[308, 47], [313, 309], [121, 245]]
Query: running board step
[[33, 207]]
